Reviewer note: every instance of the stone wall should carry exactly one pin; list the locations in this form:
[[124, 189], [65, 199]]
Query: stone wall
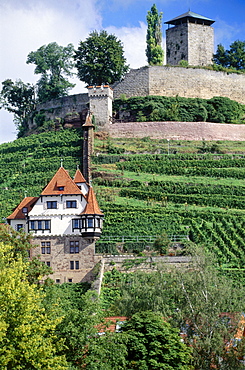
[[185, 82], [60, 257]]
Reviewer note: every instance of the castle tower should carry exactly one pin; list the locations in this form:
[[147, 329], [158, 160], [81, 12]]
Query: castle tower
[[191, 38], [88, 147], [100, 105]]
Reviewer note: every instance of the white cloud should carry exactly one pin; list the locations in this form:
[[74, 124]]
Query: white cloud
[[134, 43], [28, 24]]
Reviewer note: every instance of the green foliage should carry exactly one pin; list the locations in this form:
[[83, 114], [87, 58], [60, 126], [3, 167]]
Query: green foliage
[[153, 344], [231, 58], [18, 98], [162, 244], [100, 60], [154, 51], [195, 300], [27, 339], [53, 62], [162, 108]]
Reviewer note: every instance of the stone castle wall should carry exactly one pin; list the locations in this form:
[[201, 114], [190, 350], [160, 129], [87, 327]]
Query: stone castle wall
[[185, 82]]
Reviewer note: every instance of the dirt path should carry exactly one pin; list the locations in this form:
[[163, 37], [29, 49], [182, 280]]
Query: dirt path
[[179, 130]]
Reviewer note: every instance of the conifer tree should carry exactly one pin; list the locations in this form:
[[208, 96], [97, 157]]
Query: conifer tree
[[154, 51]]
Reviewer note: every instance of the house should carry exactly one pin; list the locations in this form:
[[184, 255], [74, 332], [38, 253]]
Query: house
[[65, 220]]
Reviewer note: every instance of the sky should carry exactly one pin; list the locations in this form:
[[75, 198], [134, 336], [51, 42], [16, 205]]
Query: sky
[[25, 25]]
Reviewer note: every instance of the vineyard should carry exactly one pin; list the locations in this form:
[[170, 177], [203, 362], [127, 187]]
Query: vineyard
[[200, 195]]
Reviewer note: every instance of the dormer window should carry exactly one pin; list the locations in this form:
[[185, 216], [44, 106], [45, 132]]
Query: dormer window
[[25, 210], [61, 188]]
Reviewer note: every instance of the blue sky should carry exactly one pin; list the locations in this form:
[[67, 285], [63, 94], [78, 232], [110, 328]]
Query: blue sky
[[25, 25]]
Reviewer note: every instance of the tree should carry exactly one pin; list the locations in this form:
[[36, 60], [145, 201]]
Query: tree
[[20, 243], [27, 338], [18, 98], [231, 58], [154, 51], [153, 344], [200, 301], [100, 60], [54, 63]]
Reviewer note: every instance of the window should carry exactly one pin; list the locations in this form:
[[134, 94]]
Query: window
[[19, 227], [97, 222], [76, 223], [60, 188], [48, 263], [90, 222], [74, 246], [45, 248], [51, 204], [47, 224], [74, 264], [24, 210], [69, 280], [32, 225], [71, 204], [57, 281], [40, 225]]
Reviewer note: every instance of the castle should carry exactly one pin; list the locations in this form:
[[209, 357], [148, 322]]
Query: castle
[[189, 37]]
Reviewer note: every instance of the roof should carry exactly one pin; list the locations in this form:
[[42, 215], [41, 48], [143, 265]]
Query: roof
[[78, 178], [88, 122], [191, 16], [92, 207], [111, 324], [18, 213], [61, 179]]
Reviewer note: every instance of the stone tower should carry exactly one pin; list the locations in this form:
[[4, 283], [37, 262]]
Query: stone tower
[[191, 38], [100, 105], [88, 147]]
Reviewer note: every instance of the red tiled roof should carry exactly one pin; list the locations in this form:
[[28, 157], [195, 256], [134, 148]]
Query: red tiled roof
[[92, 207], [110, 323], [61, 179], [27, 202], [79, 177]]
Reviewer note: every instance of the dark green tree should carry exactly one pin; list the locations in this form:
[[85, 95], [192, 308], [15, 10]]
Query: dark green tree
[[154, 51], [18, 98], [54, 63], [231, 58], [153, 343], [100, 59]]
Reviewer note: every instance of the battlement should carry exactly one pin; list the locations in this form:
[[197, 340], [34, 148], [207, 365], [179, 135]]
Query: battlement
[[100, 91]]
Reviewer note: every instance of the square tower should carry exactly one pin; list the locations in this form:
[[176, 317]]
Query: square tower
[[191, 38]]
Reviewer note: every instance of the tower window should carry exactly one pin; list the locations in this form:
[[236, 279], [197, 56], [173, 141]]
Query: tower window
[[90, 222], [19, 227], [76, 223]]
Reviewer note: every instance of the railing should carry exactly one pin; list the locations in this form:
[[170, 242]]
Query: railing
[[140, 238]]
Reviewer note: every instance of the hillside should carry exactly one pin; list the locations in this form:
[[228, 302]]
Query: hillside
[[145, 187]]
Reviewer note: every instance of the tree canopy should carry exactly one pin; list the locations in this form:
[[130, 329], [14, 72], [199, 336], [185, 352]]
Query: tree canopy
[[27, 331], [231, 58], [54, 63], [154, 51], [100, 59], [18, 98]]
